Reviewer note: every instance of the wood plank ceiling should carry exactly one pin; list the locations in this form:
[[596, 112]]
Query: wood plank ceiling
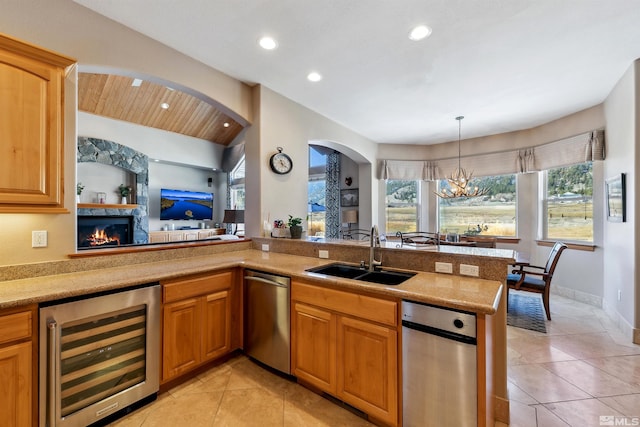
[[115, 97]]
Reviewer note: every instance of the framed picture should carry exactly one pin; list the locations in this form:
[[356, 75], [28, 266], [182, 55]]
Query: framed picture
[[349, 197], [616, 199]]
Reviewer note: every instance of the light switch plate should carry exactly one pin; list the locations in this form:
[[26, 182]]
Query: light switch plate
[[323, 254], [39, 239], [265, 247]]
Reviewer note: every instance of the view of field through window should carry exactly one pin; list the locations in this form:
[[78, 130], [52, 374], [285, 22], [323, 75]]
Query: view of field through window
[[569, 204], [401, 203], [493, 214]]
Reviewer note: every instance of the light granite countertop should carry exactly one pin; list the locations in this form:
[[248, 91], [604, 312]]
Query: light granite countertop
[[459, 292]]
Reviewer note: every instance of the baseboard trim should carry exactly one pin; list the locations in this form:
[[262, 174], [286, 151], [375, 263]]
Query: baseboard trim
[[501, 409], [625, 327], [577, 295]]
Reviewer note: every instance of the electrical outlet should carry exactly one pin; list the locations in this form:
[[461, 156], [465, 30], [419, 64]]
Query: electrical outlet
[[265, 248], [39, 239], [444, 267], [323, 254], [469, 270], [619, 294]]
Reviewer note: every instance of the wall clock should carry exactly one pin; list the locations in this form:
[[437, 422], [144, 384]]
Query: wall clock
[[281, 163]]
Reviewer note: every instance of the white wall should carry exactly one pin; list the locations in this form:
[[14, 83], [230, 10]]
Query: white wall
[[155, 143], [620, 239], [284, 123]]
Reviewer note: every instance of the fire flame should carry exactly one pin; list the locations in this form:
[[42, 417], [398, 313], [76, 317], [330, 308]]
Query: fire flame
[[100, 237]]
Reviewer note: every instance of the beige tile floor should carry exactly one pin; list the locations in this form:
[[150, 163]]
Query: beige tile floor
[[580, 370]]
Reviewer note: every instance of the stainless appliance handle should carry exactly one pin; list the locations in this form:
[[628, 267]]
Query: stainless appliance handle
[[267, 281], [53, 348]]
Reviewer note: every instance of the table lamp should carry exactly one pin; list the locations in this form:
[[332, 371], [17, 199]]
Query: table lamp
[[350, 216], [233, 216]]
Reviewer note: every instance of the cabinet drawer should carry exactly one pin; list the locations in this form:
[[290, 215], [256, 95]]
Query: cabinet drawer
[[191, 286], [365, 307], [15, 327]]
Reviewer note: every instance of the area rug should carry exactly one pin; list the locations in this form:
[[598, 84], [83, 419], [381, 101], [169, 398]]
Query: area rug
[[526, 312]]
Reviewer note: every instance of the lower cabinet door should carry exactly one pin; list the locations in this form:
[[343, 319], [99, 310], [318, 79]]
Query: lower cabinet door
[[15, 391], [216, 312], [314, 360], [181, 337], [367, 376]]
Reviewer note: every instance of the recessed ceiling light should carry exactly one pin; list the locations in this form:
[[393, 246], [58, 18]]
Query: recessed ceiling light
[[314, 77], [420, 32], [164, 106], [136, 83], [225, 124], [268, 43]]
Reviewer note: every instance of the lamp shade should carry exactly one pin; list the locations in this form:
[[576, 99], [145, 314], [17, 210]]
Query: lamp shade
[[233, 216], [350, 216]]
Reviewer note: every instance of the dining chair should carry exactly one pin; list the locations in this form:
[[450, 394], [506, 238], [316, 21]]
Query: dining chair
[[355, 234], [536, 279], [418, 238]]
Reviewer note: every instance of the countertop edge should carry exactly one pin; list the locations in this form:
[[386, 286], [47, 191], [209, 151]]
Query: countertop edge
[[484, 295]]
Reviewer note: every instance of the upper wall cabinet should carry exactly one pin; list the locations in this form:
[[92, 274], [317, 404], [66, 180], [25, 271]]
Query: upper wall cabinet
[[31, 128]]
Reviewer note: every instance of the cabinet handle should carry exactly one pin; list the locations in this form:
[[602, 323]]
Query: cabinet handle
[[53, 349], [266, 281]]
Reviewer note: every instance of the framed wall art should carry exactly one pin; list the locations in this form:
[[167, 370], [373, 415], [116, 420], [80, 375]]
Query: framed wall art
[[349, 197], [616, 198]]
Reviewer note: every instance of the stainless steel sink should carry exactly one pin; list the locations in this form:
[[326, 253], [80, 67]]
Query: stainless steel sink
[[347, 271]]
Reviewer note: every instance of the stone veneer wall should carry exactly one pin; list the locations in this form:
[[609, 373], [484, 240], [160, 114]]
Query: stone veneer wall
[[114, 154]]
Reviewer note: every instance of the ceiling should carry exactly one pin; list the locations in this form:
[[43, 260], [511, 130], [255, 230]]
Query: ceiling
[[119, 98], [505, 65]]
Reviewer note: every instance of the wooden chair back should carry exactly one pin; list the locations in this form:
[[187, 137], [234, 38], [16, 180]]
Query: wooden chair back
[[552, 261]]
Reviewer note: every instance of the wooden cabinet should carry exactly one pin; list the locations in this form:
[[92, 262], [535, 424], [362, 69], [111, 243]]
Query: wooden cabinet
[[346, 344], [183, 235], [31, 128], [368, 367], [17, 398], [197, 321], [314, 351]]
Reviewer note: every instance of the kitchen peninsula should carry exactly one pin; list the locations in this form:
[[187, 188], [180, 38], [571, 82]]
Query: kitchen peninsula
[[29, 285]]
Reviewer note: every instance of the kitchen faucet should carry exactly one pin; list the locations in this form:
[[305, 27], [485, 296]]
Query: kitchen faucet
[[374, 241]]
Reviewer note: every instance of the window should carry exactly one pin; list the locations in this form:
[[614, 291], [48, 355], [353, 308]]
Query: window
[[236, 186], [493, 214], [569, 203], [402, 206], [316, 190]]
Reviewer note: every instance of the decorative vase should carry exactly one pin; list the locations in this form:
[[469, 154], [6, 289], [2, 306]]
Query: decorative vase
[[296, 231], [124, 200], [77, 198]]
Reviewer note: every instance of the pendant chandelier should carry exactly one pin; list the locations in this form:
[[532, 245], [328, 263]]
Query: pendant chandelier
[[459, 179]]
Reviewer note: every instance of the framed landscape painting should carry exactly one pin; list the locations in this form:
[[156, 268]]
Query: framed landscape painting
[[616, 198], [349, 197]]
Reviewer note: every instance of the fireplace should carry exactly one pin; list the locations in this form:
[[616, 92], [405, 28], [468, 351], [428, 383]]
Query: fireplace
[[104, 231]]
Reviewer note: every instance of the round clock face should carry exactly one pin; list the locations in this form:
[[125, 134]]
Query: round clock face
[[281, 163]]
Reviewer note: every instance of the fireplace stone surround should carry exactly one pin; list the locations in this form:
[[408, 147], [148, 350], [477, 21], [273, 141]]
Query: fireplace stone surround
[[111, 153]]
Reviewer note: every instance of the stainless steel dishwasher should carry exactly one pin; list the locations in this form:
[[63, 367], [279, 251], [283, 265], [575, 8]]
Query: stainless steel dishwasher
[[267, 319], [439, 367]]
